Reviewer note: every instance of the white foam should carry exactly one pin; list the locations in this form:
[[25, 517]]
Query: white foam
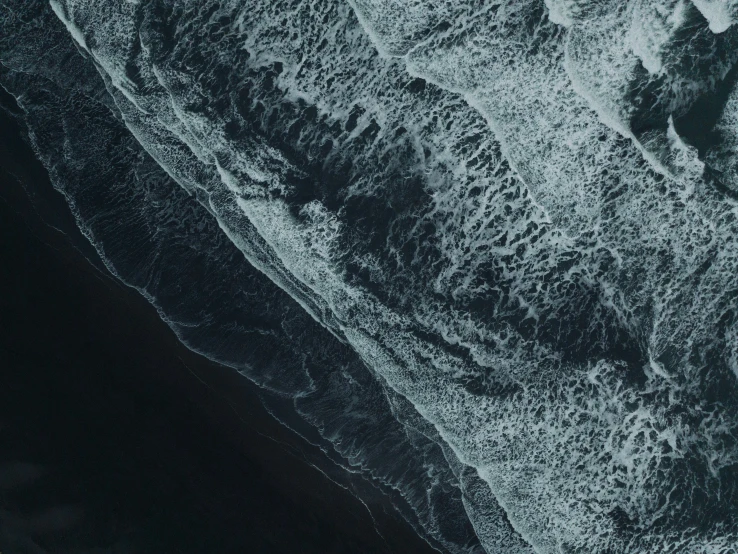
[[721, 14], [76, 33], [574, 441], [654, 26], [568, 12]]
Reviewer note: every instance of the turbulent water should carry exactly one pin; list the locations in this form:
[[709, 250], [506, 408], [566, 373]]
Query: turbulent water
[[482, 252]]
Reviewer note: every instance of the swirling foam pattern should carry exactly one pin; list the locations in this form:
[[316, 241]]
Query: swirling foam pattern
[[509, 211]]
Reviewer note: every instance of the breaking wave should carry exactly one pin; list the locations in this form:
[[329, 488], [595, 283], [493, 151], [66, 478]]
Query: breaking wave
[[481, 252]]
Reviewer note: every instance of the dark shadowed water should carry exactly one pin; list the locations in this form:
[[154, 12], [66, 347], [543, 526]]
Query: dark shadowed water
[[116, 438]]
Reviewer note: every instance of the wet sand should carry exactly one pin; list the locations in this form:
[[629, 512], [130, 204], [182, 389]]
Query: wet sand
[[135, 443]]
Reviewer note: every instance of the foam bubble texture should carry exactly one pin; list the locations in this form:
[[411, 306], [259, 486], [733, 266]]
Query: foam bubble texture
[[720, 13], [492, 204]]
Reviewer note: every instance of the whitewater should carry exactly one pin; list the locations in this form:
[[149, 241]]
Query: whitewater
[[482, 252]]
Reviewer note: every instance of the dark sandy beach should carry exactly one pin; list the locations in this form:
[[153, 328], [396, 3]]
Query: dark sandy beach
[[114, 437]]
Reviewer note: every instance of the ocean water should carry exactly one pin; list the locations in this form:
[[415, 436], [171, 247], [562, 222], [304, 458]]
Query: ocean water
[[483, 253]]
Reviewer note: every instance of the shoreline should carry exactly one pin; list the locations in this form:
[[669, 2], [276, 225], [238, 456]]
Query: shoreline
[[223, 404]]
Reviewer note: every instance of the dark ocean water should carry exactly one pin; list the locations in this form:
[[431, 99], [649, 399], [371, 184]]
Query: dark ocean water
[[114, 438], [479, 259]]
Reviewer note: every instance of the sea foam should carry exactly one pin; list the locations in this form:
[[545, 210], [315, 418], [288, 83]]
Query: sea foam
[[492, 205]]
